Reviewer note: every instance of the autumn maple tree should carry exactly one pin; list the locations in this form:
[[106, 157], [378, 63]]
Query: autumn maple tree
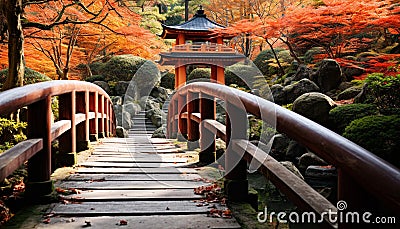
[[69, 32]]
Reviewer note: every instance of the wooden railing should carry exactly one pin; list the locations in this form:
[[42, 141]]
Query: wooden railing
[[85, 110], [360, 173], [205, 47]]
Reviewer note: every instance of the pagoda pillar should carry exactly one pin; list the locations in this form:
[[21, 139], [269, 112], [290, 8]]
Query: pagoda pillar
[[220, 75], [220, 40], [181, 76], [213, 73]]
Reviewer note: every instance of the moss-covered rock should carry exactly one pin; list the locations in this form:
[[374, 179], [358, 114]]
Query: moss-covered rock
[[241, 75], [128, 67], [349, 93], [199, 73], [168, 81], [378, 134], [342, 116]]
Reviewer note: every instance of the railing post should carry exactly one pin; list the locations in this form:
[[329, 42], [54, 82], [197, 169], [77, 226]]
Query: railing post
[[39, 166], [236, 183], [193, 126], [182, 124], [94, 123], [173, 121], [357, 200], [101, 121], [82, 129], [67, 141], [107, 118], [207, 138]]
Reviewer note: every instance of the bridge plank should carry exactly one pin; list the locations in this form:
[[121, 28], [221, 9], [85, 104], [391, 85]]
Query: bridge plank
[[132, 177], [131, 185], [199, 221], [137, 170], [137, 158], [129, 208], [133, 195], [145, 164]]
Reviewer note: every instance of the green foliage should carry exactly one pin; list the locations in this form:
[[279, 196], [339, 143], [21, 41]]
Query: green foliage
[[95, 78], [54, 107], [342, 116], [239, 74], [255, 129], [199, 73], [30, 77], [168, 80], [121, 68], [11, 133], [266, 62], [96, 67], [385, 90], [378, 134]]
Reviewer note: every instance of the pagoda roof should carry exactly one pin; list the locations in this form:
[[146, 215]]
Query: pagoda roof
[[198, 26]]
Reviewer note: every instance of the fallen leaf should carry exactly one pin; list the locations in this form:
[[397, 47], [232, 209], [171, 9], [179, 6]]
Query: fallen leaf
[[46, 221], [123, 222]]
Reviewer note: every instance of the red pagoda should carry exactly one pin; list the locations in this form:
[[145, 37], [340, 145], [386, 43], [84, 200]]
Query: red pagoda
[[196, 43]]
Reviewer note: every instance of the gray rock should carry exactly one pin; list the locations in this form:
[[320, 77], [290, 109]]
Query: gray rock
[[103, 85], [124, 119], [303, 72], [328, 76], [294, 150], [131, 108], [299, 88], [132, 91], [159, 93], [308, 159], [349, 93], [288, 80], [314, 106], [344, 85], [278, 94], [364, 95], [160, 132], [156, 120], [279, 147], [121, 132], [353, 70]]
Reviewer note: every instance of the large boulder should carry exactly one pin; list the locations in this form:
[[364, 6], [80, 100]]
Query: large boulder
[[121, 132], [314, 106], [308, 159], [104, 85], [123, 118], [131, 108], [279, 147], [303, 72], [296, 89], [328, 76], [160, 132], [294, 151], [351, 71], [128, 67]]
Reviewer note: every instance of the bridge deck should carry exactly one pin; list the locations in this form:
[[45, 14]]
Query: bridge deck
[[142, 180]]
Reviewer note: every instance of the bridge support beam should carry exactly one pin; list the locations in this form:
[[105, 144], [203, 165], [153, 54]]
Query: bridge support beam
[[94, 123], [236, 183], [193, 126], [182, 124], [67, 111], [207, 138], [82, 129], [39, 166]]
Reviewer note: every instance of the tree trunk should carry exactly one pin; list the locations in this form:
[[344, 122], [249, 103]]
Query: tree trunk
[[16, 63], [276, 57]]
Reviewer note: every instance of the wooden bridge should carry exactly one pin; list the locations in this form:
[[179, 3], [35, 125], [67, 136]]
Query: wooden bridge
[[148, 183]]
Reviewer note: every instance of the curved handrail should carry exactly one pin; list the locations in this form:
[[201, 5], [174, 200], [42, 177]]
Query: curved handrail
[[84, 109], [352, 160], [19, 97]]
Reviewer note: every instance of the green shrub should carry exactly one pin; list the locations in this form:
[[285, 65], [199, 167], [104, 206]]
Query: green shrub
[[239, 74], [11, 133], [121, 68], [199, 73], [30, 77], [168, 80], [96, 67], [385, 90], [95, 78], [378, 134], [342, 116]]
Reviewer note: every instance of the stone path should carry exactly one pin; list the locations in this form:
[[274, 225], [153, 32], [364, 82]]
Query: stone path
[[138, 181]]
